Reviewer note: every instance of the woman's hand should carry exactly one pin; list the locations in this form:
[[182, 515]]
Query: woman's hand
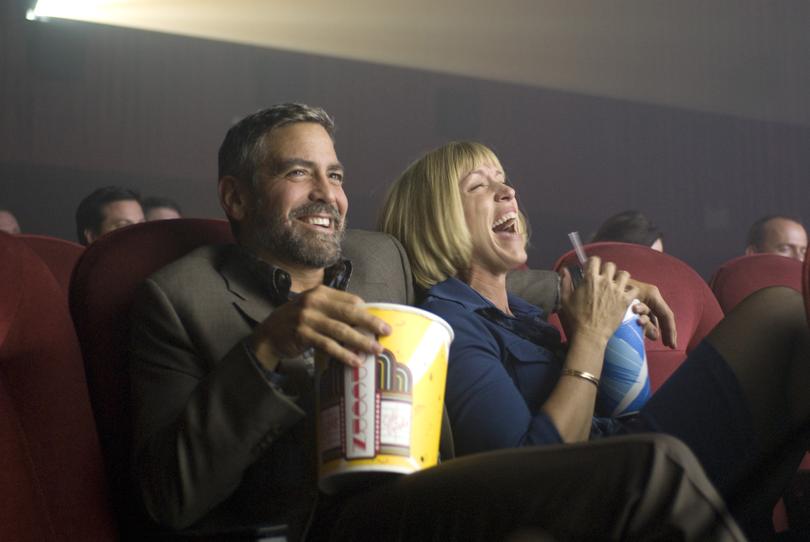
[[596, 307]]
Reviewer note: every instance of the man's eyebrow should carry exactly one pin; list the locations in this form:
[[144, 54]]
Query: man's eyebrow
[[283, 165]]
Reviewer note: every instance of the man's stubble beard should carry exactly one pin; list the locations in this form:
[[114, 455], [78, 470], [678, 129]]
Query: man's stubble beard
[[288, 241]]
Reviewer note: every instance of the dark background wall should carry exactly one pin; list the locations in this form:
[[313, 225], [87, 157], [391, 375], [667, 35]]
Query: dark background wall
[[86, 105]]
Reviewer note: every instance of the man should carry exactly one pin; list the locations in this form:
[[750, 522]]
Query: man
[[223, 341], [106, 209], [8, 222], [157, 208], [631, 227], [778, 234]]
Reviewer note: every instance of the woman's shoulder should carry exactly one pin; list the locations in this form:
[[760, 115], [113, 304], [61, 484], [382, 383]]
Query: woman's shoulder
[[456, 303]]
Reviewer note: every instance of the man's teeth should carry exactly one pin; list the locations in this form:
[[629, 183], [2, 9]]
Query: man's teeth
[[317, 221], [504, 218]]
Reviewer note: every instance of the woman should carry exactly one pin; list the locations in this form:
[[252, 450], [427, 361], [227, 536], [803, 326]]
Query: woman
[[738, 401]]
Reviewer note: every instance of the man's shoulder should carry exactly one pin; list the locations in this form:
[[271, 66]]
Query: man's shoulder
[[199, 265]]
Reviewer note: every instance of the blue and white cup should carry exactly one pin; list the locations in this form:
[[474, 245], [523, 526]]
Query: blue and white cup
[[625, 382]]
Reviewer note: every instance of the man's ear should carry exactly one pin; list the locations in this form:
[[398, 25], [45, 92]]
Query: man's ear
[[89, 236], [233, 198]]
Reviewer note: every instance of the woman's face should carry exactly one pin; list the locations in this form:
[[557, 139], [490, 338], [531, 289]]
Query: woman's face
[[491, 212]]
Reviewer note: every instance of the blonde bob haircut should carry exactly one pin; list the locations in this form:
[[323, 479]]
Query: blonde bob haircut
[[423, 211]]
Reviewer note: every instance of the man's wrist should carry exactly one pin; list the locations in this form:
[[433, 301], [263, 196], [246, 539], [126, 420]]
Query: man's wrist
[[264, 354]]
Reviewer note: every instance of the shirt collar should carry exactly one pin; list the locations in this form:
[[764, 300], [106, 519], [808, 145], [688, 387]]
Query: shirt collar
[[459, 292], [276, 282]]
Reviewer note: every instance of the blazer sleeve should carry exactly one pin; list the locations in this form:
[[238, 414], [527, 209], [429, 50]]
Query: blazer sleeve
[[196, 428]]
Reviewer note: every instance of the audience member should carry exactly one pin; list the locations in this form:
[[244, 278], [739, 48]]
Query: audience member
[[107, 209], [778, 234], [223, 395], [8, 222], [158, 208], [739, 401], [631, 227]]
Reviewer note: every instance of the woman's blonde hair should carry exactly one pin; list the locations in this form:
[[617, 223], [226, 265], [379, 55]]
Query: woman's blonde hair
[[423, 210]]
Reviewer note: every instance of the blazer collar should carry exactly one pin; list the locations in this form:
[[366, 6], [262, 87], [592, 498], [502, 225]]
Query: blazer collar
[[258, 287]]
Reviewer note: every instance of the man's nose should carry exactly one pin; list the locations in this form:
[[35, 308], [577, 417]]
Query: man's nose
[[323, 189]]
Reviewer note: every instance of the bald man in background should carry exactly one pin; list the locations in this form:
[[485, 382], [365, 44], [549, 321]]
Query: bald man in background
[[778, 234], [8, 222]]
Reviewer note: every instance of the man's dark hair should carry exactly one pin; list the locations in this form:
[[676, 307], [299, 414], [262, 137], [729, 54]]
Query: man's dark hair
[[155, 202], [241, 151], [756, 234], [629, 227], [89, 215]]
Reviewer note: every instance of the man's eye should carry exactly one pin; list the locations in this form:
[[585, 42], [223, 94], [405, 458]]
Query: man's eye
[[297, 173], [337, 177]]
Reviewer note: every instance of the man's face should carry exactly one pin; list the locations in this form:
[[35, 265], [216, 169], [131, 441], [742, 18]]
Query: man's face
[[299, 214], [117, 214], [8, 223], [161, 213], [785, 237]]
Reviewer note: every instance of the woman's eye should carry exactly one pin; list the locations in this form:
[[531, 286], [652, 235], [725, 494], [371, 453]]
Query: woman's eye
[[475, 187]]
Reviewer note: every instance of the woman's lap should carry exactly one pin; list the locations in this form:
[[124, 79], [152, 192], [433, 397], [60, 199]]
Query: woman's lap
[[703, 404]]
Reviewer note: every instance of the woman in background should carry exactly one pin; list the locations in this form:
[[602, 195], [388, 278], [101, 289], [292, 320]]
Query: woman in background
[[738, 401]]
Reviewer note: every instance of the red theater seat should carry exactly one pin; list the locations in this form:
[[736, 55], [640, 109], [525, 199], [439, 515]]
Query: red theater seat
[[59, 255], [806, 286], [695, 307], [52, 483], [738, 278], [101, 294]]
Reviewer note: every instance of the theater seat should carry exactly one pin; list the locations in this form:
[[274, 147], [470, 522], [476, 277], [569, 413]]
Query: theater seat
[[58, 254], [695, 307], [738, 278], [101, 294], [52, 481], [806, 286]]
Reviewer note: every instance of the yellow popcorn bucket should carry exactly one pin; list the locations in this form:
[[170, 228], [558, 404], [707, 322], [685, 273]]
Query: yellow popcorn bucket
[[385, 416]]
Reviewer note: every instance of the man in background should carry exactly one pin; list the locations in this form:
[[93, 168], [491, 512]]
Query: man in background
[[777, 234], [159, 208], [107, 209], [8, 222], [631, 227]]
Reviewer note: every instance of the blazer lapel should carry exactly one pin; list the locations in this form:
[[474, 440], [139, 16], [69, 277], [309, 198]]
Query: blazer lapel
[[248, 297]]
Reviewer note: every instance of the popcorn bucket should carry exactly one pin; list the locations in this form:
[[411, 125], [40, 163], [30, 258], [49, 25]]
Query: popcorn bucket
[[625, 381], [385, 416]]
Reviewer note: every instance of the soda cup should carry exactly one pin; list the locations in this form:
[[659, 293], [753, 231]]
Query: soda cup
[[624, 386]]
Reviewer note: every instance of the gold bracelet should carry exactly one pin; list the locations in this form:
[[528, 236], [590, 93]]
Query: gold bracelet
[[581, 374]]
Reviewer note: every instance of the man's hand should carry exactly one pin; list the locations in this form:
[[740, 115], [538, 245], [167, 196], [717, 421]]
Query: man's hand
[[650, 296], [647, 320], [323, 318]]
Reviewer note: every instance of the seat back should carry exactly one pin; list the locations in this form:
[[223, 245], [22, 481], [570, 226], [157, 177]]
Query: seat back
[[101, 294], [58, 254], [738, 278], [806, 286], [52, 481], [695, 307]]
